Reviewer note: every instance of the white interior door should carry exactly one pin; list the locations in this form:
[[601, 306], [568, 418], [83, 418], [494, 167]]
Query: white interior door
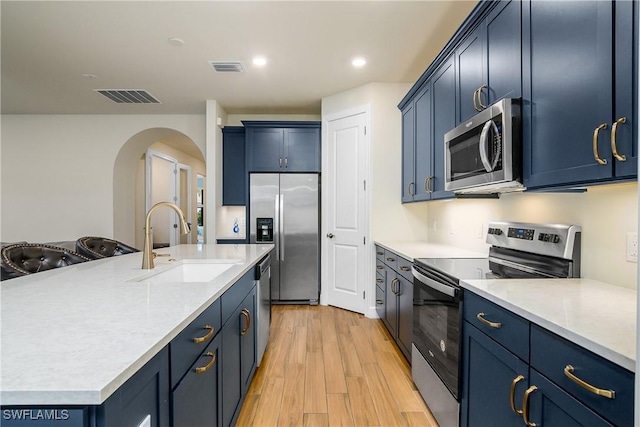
[[346, 232], [183, 185], [162, 186]]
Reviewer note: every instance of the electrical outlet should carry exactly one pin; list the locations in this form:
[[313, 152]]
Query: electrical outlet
[[632, 247]]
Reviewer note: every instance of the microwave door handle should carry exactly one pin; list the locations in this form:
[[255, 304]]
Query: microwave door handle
[[483, 146]]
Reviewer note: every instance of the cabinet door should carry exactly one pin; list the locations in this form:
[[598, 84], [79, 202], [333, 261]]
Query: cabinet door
[[408, 153], [470, 73], [423, 147], [196, 399], [234, 175], [145, 393], [391, 303], [444, 119], [248, 337], [503, 52], [550, 406], [264, 149], [626, 75], [231, 362], [567, 90], [301, 150], [488, 372], [405, 315]]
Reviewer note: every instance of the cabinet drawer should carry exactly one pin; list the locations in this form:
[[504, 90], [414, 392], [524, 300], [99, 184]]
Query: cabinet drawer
[[379, 253], [404, 268], [507, 328], [191, 342], [551, 354], [380, 278], [391, 259], [232, 298]]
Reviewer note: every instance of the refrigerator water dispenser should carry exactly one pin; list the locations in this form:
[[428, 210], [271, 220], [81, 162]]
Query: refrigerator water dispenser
[[264, 227]]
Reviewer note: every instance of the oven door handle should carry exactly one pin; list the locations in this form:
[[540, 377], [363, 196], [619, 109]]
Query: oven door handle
[[440, 287]]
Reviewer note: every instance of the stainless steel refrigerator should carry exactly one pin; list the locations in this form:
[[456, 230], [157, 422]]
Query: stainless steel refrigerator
[[284, 210]]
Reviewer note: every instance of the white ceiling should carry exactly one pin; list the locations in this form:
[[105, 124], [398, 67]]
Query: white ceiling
[[47, 46]]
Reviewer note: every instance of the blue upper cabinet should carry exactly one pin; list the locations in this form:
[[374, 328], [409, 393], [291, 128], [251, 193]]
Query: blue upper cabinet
[[234, 174], [282, 146], [578, 103], [417, 163], [488, 61], [444, 119]]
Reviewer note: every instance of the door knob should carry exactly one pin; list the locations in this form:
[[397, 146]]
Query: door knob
[[330, 235]]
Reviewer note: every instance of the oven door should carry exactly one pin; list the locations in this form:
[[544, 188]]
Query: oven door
[[436, 324]]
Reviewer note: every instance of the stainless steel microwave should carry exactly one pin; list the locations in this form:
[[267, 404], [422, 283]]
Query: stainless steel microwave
[[483, 154]]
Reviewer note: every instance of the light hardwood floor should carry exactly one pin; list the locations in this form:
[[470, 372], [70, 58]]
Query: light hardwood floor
[[330, 367]]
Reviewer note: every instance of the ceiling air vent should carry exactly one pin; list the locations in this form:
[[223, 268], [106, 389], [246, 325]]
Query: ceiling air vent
[[227, 66], [128, 96]]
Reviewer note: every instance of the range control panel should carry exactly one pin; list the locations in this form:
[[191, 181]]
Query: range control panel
[[546, 239]]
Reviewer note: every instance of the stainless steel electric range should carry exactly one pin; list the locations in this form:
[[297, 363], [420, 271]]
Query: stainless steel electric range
[[518, 250]]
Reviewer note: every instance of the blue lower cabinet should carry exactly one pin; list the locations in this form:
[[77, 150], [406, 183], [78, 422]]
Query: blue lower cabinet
[[144, 394], [550, 406], [238, 357], [488, 371], [196, 400]]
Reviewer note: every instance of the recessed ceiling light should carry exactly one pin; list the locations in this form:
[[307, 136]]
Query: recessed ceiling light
[[89, 76], [175, 41], [358, 62], [260, 61]]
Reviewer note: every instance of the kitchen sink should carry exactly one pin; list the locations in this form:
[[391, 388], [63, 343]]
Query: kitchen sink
[[188, 272]]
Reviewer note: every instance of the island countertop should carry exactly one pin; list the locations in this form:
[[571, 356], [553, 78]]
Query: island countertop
[[73, 335]]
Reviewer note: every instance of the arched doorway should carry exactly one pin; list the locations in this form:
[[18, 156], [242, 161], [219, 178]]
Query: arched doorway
[[129, 189]]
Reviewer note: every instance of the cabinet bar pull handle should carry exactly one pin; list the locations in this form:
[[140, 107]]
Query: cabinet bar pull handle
[[390, 259], [379, 302], [609, 394], [614, 146], [286, 162], [405, 268], [212, 355], [595, 144], [379, 267], [411, 193], [479, 91], [525, 406], [379, 253], [475, 102], [496, 325], [247, 321], [280, 162], [427, 184], [206, 337], [512, 393], [379, 280]]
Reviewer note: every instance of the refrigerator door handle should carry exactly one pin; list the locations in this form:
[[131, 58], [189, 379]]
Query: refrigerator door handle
[[281, 227], [276, 226]]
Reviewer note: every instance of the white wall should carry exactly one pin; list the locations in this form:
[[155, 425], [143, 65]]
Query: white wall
[[57, 172], [390, 220], [606, 213]]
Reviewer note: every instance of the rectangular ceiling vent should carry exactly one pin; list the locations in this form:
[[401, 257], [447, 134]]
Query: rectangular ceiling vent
[[128, 96], [227, 66]]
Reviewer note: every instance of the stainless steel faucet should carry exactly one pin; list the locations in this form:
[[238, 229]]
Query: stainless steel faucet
[[147, 252]]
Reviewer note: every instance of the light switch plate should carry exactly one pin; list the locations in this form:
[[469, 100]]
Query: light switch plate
[[632, 247]]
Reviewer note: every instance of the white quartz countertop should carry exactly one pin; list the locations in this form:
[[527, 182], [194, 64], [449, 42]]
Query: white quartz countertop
[[418, 249], [73, 335], [595, 315]]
